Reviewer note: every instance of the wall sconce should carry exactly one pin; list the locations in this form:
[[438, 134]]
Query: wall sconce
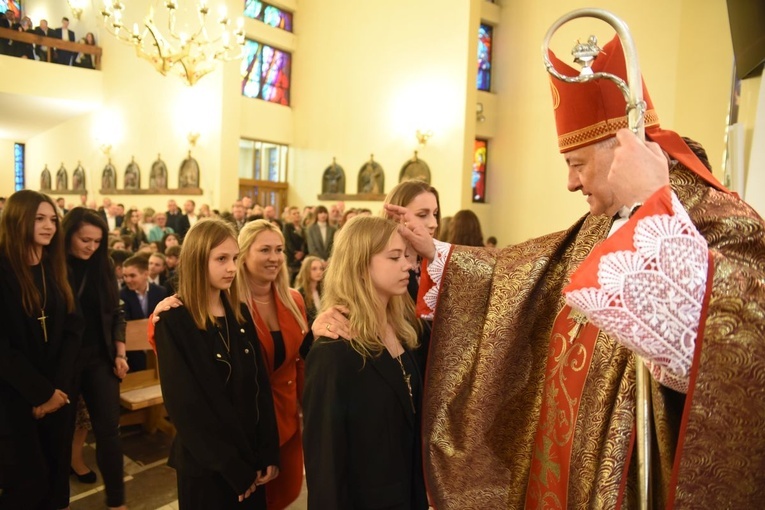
[[479, 116], [76, 6], [423, 137], [192, 137]]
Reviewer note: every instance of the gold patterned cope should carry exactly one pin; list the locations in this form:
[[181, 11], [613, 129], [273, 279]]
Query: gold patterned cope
[[485, 383]]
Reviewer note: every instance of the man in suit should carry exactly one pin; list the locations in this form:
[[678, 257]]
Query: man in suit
[[188, 219], [111, 214], [174, 215], [7, 20], [43, 30], [62, 56], [140, 297]]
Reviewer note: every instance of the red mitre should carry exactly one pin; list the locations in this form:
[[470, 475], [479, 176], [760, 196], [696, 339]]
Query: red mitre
[[586, 113]]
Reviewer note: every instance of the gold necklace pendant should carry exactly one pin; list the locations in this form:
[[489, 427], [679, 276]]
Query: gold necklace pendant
[[407, 380]]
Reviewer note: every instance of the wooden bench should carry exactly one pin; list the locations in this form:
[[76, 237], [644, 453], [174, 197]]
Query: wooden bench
[[140, 392]]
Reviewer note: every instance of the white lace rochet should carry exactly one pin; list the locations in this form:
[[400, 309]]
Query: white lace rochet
[[650, 299]]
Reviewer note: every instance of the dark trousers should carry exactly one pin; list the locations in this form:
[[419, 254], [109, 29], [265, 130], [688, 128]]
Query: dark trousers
[[34, 462], [206, 492], [101, 390]]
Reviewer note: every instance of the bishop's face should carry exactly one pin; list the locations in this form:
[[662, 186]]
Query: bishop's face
[[588, 169]]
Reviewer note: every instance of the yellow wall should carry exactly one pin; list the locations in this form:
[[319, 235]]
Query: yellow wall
[[369, 75]]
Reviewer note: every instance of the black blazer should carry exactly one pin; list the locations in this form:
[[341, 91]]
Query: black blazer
[[112, 315], [183, 225], [361, 437], [30, 368], [132, 306], [294, 242], [220, 403]]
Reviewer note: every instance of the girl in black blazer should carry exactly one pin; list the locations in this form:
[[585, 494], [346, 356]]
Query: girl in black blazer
[[102, 360], [39, 344], [214, 383], [361, 404]]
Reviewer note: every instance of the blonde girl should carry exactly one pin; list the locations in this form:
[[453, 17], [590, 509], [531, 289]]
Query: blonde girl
[[362, 399], [214, 381]]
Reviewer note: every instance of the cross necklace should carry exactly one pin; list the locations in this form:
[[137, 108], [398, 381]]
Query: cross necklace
[[42, 316]]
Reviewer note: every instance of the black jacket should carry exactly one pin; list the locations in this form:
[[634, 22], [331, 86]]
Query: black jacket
[[361, 437], [133, 310], [112, 315], [31, 368], [220, 404]]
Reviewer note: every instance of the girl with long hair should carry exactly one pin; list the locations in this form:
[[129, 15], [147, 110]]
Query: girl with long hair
[[362, 399], [280, 318], [308, 283], [465, 229], [102, 360], [132, 227], [419, 198], [39, 344], [214, 381]]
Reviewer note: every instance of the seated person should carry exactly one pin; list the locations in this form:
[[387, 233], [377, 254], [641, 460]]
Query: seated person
[[140, 297]]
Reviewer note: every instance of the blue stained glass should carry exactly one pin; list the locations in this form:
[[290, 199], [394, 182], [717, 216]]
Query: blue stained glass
[[266, 73], [253, 9], [268, 14], [485, 33], [18, 166]]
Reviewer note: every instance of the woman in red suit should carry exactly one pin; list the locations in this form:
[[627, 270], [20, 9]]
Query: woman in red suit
[[280, 319]]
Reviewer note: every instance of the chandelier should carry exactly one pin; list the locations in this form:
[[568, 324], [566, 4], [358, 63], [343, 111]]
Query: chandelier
[[191, 51]]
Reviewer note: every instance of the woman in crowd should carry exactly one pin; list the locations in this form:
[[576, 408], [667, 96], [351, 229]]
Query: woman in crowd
[[102, 359], [39, 344], [308, 283], [465, 229], [280, 318], [168, 240], [132, 228], [25, 49], [321, 234], [362, 397], [214, 381], [86, 59]]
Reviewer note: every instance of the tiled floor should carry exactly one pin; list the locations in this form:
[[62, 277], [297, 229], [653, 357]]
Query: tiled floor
[[149, 483]]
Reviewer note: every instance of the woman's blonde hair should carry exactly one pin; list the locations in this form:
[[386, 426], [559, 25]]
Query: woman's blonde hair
[[303, 279], [247, 236], [347, 282], [194, 273]]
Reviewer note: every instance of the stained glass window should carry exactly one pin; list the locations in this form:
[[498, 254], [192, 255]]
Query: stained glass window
[[11, 5], [479, 170], [484, 57], [18, 166], [266, 73], [268, 14]]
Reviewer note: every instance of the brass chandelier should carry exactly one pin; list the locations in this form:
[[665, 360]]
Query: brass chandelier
[[191, 53]]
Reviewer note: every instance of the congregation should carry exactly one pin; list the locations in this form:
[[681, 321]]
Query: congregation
[[31, 51], [125, 263]]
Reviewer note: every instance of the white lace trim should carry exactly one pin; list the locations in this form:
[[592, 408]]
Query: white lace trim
[[436, 273], [651, 299]]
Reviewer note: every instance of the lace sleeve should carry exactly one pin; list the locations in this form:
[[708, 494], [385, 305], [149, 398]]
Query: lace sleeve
[[430, 281], [645, 285]]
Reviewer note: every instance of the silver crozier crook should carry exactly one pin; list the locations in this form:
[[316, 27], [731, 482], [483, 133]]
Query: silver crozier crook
[[584, 55]]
